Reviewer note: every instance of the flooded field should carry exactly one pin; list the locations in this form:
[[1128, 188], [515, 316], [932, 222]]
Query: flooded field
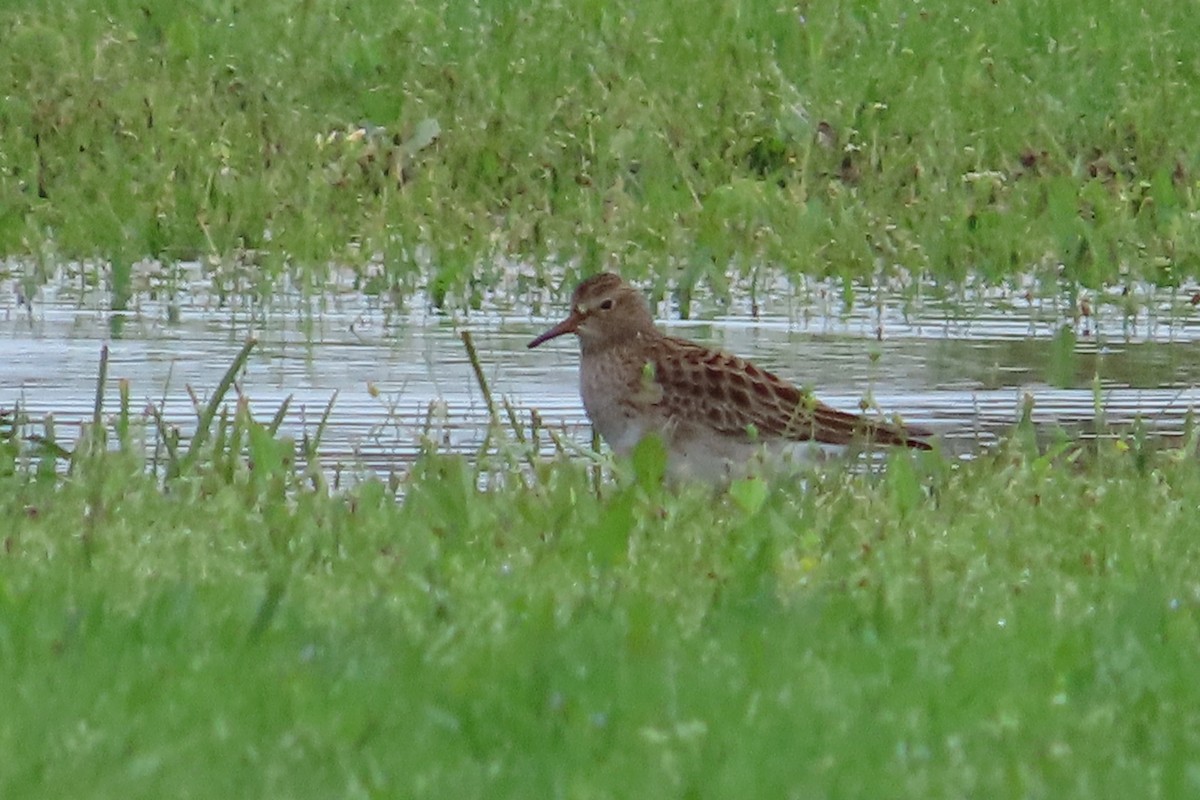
[[962, 368]]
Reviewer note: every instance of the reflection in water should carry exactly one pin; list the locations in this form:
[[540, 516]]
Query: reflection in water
[[961, 368]]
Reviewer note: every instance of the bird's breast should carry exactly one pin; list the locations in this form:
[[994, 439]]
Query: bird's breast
[[620, 410]]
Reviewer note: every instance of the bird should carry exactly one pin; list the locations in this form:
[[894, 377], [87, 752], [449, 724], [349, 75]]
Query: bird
[[716, 413]]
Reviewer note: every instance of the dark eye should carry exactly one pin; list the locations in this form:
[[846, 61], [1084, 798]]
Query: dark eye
[[606, 304]]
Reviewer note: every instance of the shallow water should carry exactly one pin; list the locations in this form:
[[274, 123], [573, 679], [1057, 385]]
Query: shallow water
[[960, 367]]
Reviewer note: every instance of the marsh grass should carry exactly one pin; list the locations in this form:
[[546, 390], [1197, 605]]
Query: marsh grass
[[205, 616], [419, 142], [1021, 624]]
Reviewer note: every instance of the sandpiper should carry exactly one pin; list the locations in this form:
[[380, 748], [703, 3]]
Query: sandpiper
[[716, 412]]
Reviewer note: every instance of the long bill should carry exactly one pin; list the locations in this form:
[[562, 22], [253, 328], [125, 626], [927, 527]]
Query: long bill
[[568, 325]]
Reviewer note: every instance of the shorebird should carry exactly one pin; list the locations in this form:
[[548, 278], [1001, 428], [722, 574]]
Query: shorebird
[[716, 412]]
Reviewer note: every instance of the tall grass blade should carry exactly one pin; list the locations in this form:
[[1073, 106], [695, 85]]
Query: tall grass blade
[[204, 423]]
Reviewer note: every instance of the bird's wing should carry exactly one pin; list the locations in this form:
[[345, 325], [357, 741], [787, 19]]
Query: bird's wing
[[690, 384]]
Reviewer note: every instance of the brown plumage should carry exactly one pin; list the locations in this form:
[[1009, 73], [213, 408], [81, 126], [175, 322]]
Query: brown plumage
[[713, 409]]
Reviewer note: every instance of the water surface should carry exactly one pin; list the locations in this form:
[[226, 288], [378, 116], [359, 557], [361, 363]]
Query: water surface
[[400, 372]]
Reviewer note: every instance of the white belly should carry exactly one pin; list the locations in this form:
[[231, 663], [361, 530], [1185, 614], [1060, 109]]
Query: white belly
[[719, 458]]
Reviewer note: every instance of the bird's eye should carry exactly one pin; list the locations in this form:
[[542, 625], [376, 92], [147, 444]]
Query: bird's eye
[[606, 304]]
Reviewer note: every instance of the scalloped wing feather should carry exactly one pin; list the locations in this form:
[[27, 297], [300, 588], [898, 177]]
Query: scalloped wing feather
[[734, 397]]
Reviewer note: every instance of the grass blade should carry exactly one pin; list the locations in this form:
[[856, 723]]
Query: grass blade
[[204, 424]]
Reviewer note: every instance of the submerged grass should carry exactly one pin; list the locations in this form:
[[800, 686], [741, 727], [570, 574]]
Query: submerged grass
[[419, 142], [1024, 624]]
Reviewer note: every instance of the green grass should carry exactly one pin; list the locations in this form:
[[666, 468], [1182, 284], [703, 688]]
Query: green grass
[[1022, 625], [964, 141], [206, 619]]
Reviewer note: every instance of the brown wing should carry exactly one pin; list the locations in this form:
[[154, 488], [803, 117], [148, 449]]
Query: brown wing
[[735, 397]]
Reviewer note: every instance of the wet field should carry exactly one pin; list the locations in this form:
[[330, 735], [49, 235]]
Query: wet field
[[399, 375]]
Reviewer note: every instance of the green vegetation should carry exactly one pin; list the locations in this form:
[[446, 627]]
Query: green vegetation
[[204, 617], [1023, 625], [944, 139]]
